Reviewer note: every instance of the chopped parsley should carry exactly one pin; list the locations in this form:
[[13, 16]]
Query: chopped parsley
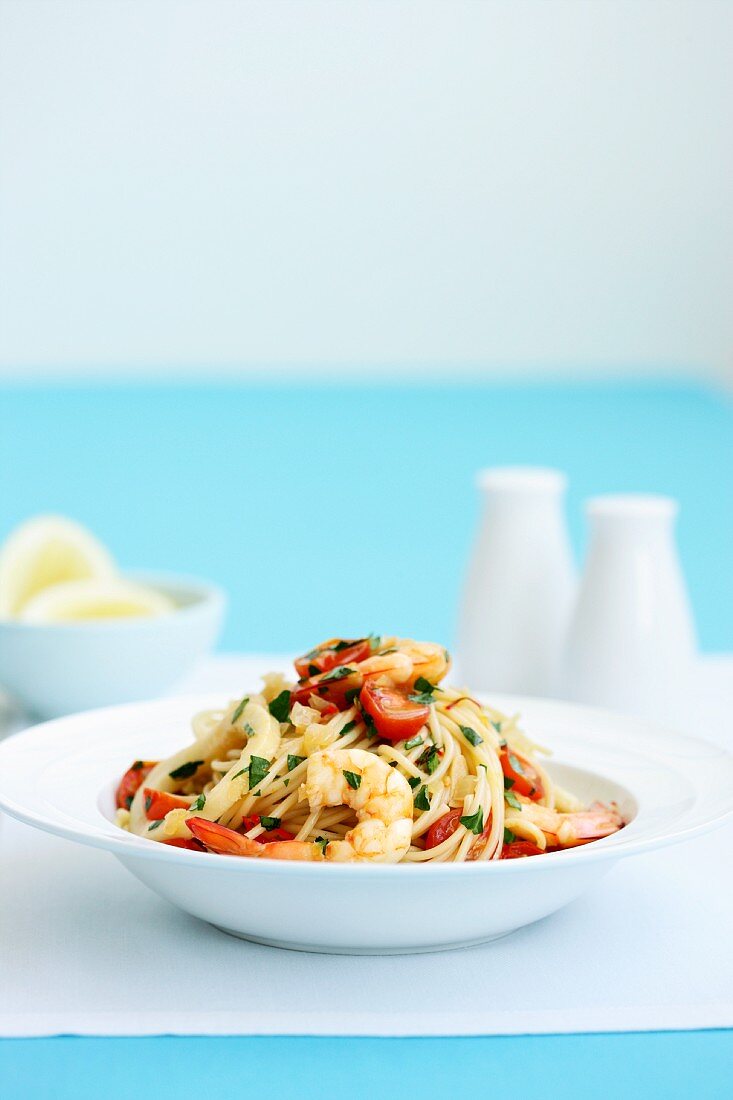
[[128, 801], [294, 761], [471, 735], [322, 843], [414, 781], [496, 725], [240, 772], [148, 802], [474, 822], [424, 691], [338, 673], [372, 730], [375, 642], [199, 803], [347, 728], [422, 799], [258, 769], [353, 779], [314, 670], [413, 743], [511, 799], [138, 764], [155, 824], [280, 706], [238, 712], [429, 759], [269, 823], [186, 770], [249, 730], [509, 836], [515, 764], [351, 695], [508, 783]]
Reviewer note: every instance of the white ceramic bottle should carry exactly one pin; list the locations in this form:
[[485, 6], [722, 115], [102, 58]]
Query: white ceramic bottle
[[520, 584], [631, 643]]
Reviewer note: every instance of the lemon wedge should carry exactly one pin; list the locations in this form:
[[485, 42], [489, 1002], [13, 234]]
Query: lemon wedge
[[45, 551], [111, 598]]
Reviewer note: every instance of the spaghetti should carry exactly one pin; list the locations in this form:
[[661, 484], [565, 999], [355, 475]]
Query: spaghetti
[[366, 758]]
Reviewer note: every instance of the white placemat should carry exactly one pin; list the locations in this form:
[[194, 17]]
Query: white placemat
[[86, 949]]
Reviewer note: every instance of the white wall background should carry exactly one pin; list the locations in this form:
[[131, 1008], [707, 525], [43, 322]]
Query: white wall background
[[236, 185]]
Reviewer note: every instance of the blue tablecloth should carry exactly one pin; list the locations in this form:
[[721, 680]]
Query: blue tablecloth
[[301, 499]]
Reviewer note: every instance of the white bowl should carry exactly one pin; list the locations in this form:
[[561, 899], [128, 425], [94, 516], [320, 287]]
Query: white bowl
[[59, 668], [61, 776]]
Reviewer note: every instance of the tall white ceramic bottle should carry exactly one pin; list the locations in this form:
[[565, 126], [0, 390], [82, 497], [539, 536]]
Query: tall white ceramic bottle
[[520, 585], [631, 644]]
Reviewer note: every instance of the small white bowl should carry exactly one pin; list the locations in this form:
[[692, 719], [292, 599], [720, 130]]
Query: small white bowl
[[59, 668], [61, 777]]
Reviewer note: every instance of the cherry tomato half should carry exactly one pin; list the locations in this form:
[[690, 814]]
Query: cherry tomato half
[[131, 781], [525, 778], [519, 848], [159, 803], [396, 717], [441, 829], [327, 656]]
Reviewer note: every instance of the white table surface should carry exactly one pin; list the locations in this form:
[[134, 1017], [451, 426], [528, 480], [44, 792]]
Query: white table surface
[[86, 949]]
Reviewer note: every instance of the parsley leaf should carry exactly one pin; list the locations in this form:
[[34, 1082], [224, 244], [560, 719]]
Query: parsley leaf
[[138, 764], [155, 824], [258, 769], [280, 707], [515, 764], [414, 781], [424, 691], [413, 742], [186, 770], [429, 759], [294, 761], [269, 823], [496, 725], [353, 780], [471, 735], [347, 728], [238, 712], [338, 673], [249, 730], [511, 799], [199, 803], [509, 836], [322, 843], [422, 799], [508, 783], [474, 822], [148, 802]]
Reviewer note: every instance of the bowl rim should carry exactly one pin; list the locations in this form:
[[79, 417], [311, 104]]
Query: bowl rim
[[206, 595], [128, 846]]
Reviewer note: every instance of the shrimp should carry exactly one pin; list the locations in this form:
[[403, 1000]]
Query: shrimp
[[381, 797], [400, 664], [565, 830], [228, 842]]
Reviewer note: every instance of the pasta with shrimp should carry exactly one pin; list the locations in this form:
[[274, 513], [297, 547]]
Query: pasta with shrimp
[[367, 756]]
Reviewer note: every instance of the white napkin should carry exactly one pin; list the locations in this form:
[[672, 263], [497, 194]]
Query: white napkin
[[86, 949]]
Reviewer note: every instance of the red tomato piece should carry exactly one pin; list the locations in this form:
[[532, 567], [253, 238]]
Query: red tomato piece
[[441, 829], [159, 803], [131, 781], [326, 656], [181, 842], [525, 778], [396, 717], [517, 849], [251, 820]]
